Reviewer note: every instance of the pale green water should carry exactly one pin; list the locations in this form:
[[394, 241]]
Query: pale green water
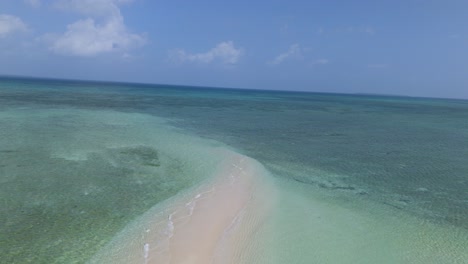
[[358, 179], [71, 179]]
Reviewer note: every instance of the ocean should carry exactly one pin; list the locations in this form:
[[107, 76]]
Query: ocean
[[98, 172]]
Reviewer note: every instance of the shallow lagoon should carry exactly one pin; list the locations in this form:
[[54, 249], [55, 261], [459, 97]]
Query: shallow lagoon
[[359, 178]]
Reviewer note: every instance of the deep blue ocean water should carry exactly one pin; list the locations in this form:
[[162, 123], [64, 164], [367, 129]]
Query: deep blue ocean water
[[401, 153]]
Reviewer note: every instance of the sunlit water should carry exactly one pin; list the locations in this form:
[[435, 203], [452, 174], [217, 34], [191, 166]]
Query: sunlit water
[[356, 179]]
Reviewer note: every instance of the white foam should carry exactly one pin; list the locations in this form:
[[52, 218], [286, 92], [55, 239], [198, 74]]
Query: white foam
[[146, 249]]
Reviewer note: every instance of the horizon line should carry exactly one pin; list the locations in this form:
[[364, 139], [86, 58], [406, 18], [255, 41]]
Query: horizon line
[[15, 76]]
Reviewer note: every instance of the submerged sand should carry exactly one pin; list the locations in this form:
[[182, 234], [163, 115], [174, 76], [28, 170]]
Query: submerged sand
[[209, 224]]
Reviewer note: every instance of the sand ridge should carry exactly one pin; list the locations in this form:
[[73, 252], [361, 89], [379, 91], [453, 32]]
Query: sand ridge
[[199, 228]]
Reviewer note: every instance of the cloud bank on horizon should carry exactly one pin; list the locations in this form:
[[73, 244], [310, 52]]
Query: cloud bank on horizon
[[391, 47]]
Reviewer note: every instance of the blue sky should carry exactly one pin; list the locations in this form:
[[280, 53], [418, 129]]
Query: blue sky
[[407, 47]]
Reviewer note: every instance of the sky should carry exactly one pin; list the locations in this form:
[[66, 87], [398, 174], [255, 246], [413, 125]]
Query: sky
[[398, 47]]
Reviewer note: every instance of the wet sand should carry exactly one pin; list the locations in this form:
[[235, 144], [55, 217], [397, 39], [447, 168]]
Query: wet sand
[[210, 224]]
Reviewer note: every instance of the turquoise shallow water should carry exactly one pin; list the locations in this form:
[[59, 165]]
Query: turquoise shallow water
[[378, 179]]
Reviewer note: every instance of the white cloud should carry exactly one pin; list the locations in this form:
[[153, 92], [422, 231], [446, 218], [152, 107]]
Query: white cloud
[[88, 37], [10, 24], [33, 3], [294, 52], [224, 52]]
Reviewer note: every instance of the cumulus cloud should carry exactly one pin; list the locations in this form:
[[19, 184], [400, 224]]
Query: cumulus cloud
[[10, 24], [294, 52], [103, 31], [224, 52], [87, 38]]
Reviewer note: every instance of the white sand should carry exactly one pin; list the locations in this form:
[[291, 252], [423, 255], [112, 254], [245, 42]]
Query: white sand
[[205, 226]]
